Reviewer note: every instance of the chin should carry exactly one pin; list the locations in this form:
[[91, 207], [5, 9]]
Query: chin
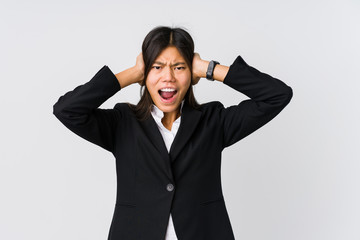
[[168, 108]]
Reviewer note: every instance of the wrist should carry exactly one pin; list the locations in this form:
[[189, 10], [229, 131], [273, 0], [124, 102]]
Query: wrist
[[138, 74], [203, 65], [129, 76]]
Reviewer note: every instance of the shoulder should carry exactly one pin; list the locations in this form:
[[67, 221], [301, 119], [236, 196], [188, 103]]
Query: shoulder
[[211, 108], [124, 108], [213, 105]]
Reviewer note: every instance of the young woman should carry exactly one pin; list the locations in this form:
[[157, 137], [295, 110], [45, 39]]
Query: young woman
[[168, 147]]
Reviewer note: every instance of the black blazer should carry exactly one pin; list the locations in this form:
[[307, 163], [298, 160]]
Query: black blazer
[[151, 182]]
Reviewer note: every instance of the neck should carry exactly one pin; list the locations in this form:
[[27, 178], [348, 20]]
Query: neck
[[170, 117]]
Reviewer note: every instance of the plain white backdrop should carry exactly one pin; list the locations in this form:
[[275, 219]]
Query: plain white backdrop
[[304, 184]]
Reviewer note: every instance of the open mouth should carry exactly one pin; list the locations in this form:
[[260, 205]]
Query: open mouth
[[167, 94]]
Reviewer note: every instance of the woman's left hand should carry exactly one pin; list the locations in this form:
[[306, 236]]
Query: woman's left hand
[[199, 68]]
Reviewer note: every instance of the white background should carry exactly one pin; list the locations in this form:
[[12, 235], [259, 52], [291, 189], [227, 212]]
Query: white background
[[295, 178]]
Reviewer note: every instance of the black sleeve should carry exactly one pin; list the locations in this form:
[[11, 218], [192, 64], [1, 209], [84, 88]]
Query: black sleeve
[[78, 109], [268, 96]]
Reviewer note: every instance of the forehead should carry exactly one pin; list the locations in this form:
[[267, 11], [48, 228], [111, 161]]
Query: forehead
[[170, 54]]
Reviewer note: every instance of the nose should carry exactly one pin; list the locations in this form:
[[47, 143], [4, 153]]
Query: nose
[[168, 74]]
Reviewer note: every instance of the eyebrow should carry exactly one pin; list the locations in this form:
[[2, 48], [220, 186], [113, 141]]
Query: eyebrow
[[173, 65]]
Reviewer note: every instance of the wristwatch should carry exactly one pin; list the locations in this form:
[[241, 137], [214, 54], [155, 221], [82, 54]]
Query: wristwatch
[[210, 70]]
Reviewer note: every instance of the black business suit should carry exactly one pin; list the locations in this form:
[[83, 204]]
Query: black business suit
[[186, 181]]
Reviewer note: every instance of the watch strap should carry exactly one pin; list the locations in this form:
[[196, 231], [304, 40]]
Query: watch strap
[[210, 70]]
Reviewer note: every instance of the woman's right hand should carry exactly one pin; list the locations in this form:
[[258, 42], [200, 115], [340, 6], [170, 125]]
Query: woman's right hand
[[140, 67]]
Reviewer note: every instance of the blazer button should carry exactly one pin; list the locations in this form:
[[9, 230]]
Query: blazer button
[[170, 187]]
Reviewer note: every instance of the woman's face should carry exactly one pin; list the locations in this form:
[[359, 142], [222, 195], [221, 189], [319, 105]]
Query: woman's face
[[168, 80]]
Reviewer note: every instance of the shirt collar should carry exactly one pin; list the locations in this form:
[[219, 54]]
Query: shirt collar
[[158, 114]]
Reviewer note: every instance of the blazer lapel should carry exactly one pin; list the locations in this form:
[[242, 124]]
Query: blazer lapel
[[190, 118], [153, 133]]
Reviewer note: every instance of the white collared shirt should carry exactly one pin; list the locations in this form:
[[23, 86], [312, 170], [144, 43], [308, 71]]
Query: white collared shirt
[[168, 137]]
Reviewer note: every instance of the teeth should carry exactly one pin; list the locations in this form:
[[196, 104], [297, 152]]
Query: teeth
[[167, 90]]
